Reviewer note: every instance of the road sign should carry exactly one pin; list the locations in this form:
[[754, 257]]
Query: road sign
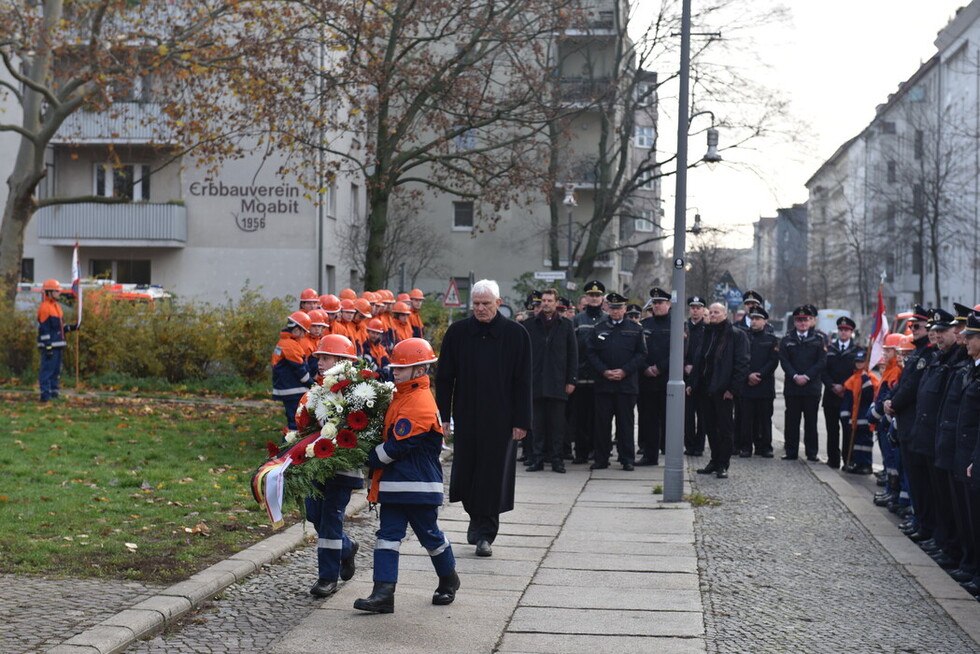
[[451, 299], [550, 275]]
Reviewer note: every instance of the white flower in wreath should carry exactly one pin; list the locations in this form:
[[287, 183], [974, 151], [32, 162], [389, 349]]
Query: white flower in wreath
[[323, 412], [309, 451], [291, 437], [364, 392], [370, 404], [329, 430]]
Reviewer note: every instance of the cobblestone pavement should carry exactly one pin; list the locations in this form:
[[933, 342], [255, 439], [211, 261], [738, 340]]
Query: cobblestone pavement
[[251, 615], [68, 607], [785, 566]]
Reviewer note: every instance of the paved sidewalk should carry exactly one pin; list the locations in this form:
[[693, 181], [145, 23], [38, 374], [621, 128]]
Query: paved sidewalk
[[546, 588]]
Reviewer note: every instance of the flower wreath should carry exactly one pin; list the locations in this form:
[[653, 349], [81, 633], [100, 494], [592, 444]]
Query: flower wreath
[[338, 422]]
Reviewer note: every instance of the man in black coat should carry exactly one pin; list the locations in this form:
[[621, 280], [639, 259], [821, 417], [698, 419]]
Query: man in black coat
[[554, 356], [840, 366], [720, 370], [583, 399], [694, 404], [484, 382], [651, 406], [802, 355], [759, 390], [616, 350]]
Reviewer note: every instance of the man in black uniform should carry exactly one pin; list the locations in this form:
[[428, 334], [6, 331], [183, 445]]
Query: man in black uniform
[[652, 405], [720, 369], [759, 390], [902, 405], [694, 407], [802, 355], [840, 366], [583, 399], [616, 350], [751, 300]]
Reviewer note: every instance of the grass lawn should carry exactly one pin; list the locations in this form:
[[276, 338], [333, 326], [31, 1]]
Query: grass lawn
[[128, 488]]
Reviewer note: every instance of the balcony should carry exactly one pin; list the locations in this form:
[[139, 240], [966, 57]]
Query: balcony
[[136, 224], [124, 123], [585, 90], [581, 171]]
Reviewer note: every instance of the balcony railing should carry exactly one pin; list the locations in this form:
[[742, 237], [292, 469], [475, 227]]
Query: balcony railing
[[136, 224], [585, 90], [131, 123]]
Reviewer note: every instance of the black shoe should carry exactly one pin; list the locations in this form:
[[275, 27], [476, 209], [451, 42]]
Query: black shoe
[[323, 588], [908, 525], [944, 561], [722, 473], [711, 468], [864, 469], [919, 536], [521, 459], [446, 592], [971, 588], [647, 462], [880, 481], [929, 544], [382, 599], [535, 467], [688, 453], [558, 467], [628, 467], [813, 458], [833, 464], [599, 466], [745, 454], [789, 457], [483, 548], [960, 575], [768, 454], [579, 460], [348, 564], [884, 499]]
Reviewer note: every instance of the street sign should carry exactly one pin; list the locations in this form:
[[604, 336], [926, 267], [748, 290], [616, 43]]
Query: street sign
[[451, 299], [550, 275]]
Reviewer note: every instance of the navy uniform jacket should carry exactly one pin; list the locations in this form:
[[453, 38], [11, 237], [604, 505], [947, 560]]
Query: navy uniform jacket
[[839, 368], [584, 322], [763, 359], [904, 397], [949, 409], [932, 388], [693, 335], [968, 426], [656, 333], [617, 346], [803, 356]]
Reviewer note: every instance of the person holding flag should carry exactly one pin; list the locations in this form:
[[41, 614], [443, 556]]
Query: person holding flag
[[51, 329]]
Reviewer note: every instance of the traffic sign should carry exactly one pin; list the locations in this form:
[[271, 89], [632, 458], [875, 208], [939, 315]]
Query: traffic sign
[[451, 299], [550, 275]]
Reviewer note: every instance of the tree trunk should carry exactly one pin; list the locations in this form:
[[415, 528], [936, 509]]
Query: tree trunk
[[375, 271], [16, 214]]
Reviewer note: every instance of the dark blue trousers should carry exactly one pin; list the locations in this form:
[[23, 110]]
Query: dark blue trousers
[[50, 371], [327, 516], [395, 519]]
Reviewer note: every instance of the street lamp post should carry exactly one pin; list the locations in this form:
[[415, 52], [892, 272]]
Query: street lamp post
[[571, 203], [674, 470]]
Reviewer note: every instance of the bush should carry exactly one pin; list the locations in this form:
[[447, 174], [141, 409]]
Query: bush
[[251, 331], [18, 344]]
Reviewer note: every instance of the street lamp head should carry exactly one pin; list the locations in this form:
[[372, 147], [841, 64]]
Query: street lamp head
[[712, 156], [696, 228], [569, 200]]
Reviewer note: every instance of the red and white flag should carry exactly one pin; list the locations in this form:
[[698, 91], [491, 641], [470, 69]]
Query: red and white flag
[[878, 333], [76, 283]]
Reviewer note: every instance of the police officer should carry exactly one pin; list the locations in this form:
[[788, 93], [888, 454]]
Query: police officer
[[633, 312], [652, 405], [759, 390], [840, 366], [582, 399], [751, 300], [694, 403], [616, 350], [967, 441], [802, 355]]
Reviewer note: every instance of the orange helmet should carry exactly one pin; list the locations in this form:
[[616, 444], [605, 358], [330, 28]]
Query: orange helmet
[[412, 352], [403, 297], [906, 345], [416, 294], [336, 345], [51, 285], [387, 296], [369, 296], [348, 294], [400, 307], [892, 340], [375, 325], [363, 307], [347, 305], [318, 317], [309, 295], [299, 319], [330, 303]]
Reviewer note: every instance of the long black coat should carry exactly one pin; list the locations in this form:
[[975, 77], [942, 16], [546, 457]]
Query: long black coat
[[483, 381], [554, 355], [723, 362]]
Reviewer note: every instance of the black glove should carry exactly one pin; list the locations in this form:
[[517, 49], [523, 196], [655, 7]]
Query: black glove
[[70, 328]]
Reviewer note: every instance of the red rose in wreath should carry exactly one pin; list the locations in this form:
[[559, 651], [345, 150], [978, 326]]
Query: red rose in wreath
[[369, 374], [339, 386], [302, 418], [346, 438], [298, 456], [357, 420], [323, 448], [273, 449]]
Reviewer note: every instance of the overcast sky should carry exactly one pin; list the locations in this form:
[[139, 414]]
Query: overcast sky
[[836, 61]]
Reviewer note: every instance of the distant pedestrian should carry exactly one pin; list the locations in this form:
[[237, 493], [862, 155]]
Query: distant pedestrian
[[483, 382]]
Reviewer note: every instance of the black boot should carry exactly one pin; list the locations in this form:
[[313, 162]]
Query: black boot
[[347, 564], [446, 592], [323, 588], [382, 599]]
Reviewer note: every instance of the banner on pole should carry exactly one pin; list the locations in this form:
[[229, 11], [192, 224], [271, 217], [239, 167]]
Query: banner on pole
[[76, 284]]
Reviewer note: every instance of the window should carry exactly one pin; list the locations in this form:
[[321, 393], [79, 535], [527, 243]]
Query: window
[[644, 223], [918, 200], [646, 181], [355, 202], [892, 172], [353, 279], [645, 94], [919, 143], [465, 140], [27, 270], [332, 200], [890, 218], [644, 136], [130, 181], [331, 279], [462, 216], [124, 271], [916, 258], [888, 127]]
